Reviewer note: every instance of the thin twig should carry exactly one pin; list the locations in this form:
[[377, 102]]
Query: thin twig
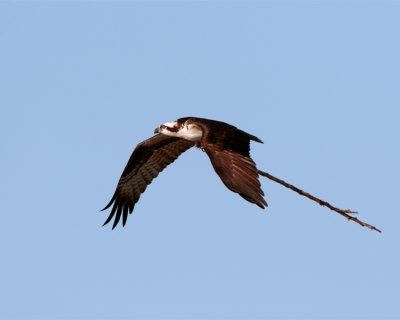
[[344, 213]]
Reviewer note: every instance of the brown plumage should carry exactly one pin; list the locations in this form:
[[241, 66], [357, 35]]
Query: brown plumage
[[227, 147], [148, 159], [229, 151]]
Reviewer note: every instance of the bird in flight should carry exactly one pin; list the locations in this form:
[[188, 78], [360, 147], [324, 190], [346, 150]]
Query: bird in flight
[[227, 147], [229, 151]]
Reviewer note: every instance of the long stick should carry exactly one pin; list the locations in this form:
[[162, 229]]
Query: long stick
[[344, 213]]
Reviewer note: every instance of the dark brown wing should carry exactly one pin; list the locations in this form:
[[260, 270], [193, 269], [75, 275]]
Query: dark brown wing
[[148, 159], [238, 173], [229, 151]]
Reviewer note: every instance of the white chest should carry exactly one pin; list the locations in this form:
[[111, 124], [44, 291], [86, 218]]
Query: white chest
[[190, 132]]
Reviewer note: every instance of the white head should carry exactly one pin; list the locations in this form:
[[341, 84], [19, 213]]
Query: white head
[[181, 128]]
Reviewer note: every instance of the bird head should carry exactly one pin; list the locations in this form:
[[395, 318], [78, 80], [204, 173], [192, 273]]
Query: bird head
[[167, 128], [182, 128]]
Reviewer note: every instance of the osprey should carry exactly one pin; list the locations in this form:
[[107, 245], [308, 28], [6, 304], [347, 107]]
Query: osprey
[[227, 147]]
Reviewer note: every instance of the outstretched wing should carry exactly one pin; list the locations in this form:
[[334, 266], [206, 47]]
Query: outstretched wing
[[238, 172], [229, 151], [148, 159]]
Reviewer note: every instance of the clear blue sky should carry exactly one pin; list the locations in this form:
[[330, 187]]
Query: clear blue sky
[[81, 83]]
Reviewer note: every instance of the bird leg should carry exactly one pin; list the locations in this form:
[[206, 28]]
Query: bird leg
[[345, 213]]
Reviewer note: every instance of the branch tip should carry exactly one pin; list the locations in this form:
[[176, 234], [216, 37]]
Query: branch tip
[[345, 213]]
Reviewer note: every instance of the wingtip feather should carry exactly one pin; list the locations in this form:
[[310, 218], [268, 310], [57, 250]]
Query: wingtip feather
[[110, 203], [118, 215], [111, 215]]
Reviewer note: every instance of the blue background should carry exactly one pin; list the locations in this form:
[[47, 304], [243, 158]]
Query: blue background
[[83, 82]]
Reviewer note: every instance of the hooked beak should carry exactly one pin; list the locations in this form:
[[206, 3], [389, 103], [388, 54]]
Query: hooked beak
[[157, 130]]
